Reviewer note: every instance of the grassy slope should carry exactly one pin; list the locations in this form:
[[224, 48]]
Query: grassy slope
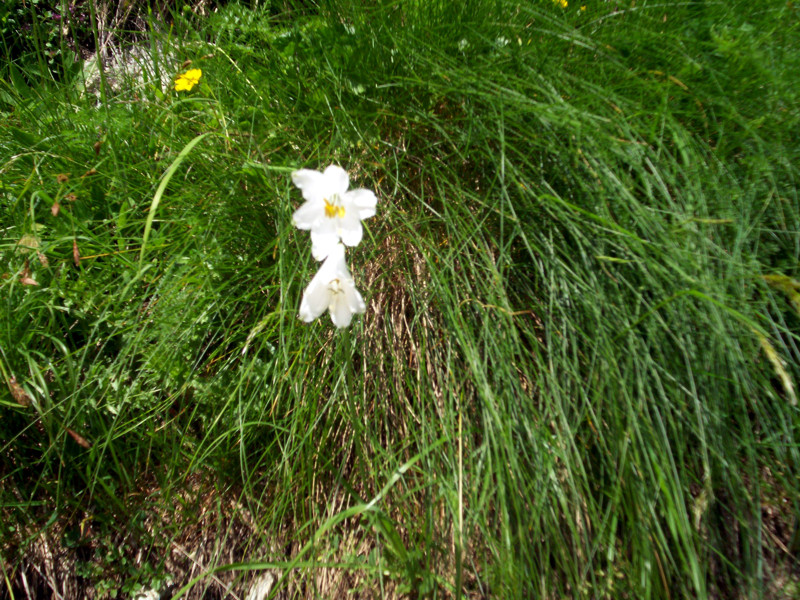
[[562, 385]]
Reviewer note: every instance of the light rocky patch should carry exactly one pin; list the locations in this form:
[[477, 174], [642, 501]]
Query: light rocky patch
[[137, 67], [261, 587]]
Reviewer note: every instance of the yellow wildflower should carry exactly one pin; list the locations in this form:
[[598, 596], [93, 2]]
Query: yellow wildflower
[[186, 81]]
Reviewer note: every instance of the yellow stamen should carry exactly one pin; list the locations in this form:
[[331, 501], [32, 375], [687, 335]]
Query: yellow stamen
[[331, 210], [335, 287]]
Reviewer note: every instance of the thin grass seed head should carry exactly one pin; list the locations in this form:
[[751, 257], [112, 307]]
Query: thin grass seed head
[[186, 81], [331, 212], [332, 289]]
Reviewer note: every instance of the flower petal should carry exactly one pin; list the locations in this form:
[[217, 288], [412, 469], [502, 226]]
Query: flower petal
[[324, 238], [332, 288], [350, 229], [312, 183], [308, 214], [347, 303], [341, 315], [364, 202], [317, 295], [336, 180], [322, 243], [315, 300], [354, 300], [337, 263]]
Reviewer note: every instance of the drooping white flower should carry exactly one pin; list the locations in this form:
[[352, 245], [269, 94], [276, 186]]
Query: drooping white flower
[[331, 212], [332, 288]]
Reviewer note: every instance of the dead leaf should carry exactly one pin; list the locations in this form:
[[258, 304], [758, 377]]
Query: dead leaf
[[186, 63], [787, 285], [678, 82], [26, 243], [70, 197], [25, 276], [89, 173], [96, 146], [780, 368], [20, 395], [55, 209], [80, 440], [76, 254], [43, 259], [62, 177]]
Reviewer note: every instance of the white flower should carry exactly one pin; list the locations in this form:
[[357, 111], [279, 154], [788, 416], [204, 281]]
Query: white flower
[[330, 211], [332, 288]]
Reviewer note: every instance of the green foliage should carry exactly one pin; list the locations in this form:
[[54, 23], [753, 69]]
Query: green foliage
[[18, 18], [40, 40], [574, 377]]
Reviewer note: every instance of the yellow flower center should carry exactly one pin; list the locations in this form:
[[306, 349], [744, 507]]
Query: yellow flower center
[[333, 209]]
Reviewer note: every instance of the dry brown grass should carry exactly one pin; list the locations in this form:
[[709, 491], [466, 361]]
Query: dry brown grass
[[207, 530]]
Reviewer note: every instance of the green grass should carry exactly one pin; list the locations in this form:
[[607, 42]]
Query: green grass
[[574, 376]]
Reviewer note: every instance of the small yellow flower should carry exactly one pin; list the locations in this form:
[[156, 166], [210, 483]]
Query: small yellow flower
[[583, 9], [188, 80]]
